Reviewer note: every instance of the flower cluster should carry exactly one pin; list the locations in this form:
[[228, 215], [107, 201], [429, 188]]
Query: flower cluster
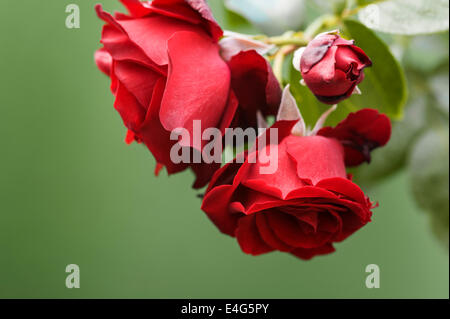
[[171, 66]]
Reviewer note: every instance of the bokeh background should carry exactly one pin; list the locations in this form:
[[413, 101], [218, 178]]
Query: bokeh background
[[71, 191]]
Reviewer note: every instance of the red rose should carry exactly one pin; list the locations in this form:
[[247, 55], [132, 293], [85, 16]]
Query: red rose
[[332, 67], [166, 71], [308, 203]]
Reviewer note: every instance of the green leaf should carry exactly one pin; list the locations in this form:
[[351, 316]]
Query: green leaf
[[407, 17], [384, 87], [363, 3]]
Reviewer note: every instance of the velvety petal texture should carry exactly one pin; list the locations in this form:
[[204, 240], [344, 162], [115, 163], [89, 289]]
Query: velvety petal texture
[[166, 72], [304, 206], [256, 87], [360, 133], [332, 67]]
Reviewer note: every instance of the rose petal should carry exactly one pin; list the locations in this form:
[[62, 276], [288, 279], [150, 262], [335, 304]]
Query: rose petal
[[216, 206], [248, 237], [255, 86], [136, 8], [151, 34], [268, 235], [345, 187], [331, 87], [198, 83], [317, 158], [131, 111], [279, 183], [103, 60], [121, 48], [286, 227], [138, 80], [178, 8], [360, 133], [316, 50], [153, 134]]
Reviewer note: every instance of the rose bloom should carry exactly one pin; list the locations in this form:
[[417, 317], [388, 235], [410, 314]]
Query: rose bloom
[[310, 202], [332, 67], [166, 71]]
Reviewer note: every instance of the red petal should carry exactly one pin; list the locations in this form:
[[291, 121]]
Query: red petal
[[103, 60], [360, 133], [120, 47], [268, 235], [334, 86], [249, 238], [192, 11], [152, 34], [158, 168], [287, 228], [310, 192], [216, 206], [316, 50], [362, 56], [229, 113], [203, 173], [281, 182], [136, 8], [138, 80], [130, 137], [344, 187], [154, 136], [131, 111], [346, 56], [199, 6], [178, 10], [198, 83], [317, 158], [354, 219], [255, 85]]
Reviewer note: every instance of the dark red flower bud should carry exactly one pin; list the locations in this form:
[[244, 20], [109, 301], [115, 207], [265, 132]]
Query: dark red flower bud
[[332, 67]]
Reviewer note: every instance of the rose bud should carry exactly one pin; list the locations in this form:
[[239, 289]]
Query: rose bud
[[166, 72], [310, 202], [332, 67]]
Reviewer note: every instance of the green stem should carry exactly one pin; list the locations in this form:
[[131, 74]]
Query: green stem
[[291, 40], [282, 40]]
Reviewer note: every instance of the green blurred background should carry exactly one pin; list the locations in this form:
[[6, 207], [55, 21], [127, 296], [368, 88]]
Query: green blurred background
[[71, 191]]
